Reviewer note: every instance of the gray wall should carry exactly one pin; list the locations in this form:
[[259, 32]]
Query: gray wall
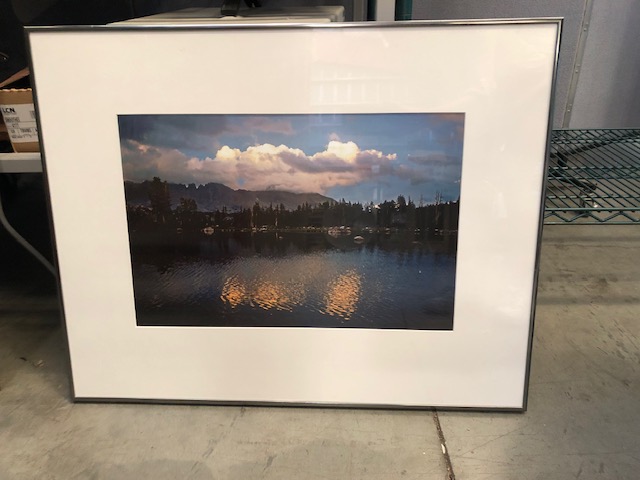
[[571, 10], [608, 88], [593, 90]]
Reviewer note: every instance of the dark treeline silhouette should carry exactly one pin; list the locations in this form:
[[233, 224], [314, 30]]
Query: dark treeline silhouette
[[336, 217]]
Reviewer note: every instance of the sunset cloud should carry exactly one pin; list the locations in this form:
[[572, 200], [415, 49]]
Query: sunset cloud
[[359, 157], [259, 167]]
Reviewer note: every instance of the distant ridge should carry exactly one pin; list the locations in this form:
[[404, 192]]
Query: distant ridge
[[215, 196]]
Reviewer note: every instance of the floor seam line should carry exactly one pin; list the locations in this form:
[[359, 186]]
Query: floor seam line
[[443, 444]]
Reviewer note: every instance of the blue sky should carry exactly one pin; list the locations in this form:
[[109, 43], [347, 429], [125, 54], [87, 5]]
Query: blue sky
[[359, 157]]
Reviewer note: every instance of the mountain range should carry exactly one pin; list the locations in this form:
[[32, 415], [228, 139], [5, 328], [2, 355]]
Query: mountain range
[[214, 196]]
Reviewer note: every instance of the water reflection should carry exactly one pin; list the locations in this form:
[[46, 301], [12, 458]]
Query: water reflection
[[263, 294], [343, 295], [234, 292], [340, 300], [298, 280]]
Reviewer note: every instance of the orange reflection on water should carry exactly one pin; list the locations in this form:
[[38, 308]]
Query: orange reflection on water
[[265, 294], [269, 295], [343, 295], [233, 292]]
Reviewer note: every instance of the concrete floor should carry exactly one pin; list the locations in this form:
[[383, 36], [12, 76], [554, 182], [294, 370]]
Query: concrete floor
[[583, 419]]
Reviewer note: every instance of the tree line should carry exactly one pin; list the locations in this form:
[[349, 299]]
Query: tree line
[[401, 213]]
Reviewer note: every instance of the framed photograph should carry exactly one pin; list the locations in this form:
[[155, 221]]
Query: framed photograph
[[342, 214], [261, 233]]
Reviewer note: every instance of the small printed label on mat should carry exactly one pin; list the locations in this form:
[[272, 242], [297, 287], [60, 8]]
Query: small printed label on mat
[[20, 120]]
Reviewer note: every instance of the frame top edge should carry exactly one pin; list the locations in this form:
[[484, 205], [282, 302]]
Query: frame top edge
[[122, 26]]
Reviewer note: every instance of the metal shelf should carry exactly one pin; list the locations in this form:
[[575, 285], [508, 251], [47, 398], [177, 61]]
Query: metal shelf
[[593, 177], [20, 163]]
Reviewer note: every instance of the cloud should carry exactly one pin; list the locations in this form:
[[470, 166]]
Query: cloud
[[143, 162], [430, 167], [196, 132], [435, 157], [268, 125], [449, 117], [260, 167], [448, 128]]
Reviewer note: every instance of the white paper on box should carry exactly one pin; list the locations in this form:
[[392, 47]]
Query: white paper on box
[[20, 120]]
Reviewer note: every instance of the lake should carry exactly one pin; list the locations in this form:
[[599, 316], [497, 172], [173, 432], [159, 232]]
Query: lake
[[284, 278]]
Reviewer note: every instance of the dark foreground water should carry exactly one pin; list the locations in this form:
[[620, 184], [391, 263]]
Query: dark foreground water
[[264, 279]]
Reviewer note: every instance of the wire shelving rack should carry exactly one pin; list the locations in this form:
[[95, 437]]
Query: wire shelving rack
[[593, 177]]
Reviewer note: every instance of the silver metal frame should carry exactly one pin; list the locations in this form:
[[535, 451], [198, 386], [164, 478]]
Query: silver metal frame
[[543, 194], [286, 26], [350, 25]]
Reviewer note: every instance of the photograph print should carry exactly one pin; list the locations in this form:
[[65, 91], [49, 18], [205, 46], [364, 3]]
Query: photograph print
[[305, 220]]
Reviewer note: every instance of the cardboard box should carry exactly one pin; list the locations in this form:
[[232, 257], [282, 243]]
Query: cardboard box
[[4, 134], [213, 15], [19, 117]]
